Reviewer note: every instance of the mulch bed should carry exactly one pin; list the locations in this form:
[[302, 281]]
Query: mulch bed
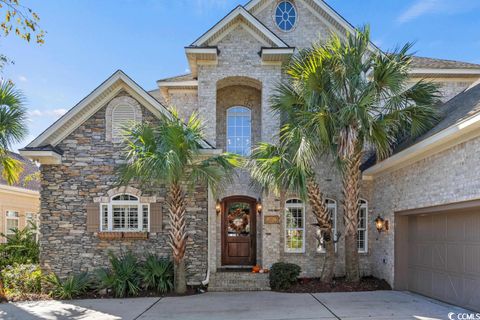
[[314, 285]]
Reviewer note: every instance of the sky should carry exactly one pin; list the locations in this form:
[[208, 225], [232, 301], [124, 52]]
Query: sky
[[88, 40]]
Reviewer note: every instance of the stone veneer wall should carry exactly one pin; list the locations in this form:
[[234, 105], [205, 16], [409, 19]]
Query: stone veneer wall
[[449, 176], [88, 171]]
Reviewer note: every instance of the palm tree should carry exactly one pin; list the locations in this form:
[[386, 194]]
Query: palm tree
[[13, 129], [287, 167], [170, 153], [357, 100]]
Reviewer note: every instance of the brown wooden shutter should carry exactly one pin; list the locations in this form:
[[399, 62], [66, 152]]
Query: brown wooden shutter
[[156, 218], [93, 217]]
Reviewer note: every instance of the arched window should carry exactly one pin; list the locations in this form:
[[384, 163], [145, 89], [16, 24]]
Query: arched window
[[239, 130], [332, 210], [362, 229], [294, 226], [124, 212]]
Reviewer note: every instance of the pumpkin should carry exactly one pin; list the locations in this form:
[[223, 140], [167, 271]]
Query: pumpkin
[[256, 269]]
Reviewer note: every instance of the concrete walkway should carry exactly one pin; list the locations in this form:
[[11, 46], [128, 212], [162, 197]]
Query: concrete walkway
[[242, 305]]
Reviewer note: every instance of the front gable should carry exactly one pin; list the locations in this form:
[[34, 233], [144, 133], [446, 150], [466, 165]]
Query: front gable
[[44, 148]]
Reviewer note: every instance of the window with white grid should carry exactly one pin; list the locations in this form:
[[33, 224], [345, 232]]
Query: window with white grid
[[332, 210], [124, 213], [362, 229], [239, 130], [294, 226]]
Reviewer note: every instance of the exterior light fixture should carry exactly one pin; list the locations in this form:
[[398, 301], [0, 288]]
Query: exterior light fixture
[[218, 207], [381, 224], [259, 206]]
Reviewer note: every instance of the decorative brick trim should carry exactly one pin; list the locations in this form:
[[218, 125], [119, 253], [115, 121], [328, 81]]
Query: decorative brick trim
[[122, 235]]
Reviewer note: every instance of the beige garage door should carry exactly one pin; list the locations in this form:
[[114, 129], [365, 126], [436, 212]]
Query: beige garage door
[[444, 257]]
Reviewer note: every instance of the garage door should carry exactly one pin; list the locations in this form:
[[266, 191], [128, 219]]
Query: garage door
[[444, 257]]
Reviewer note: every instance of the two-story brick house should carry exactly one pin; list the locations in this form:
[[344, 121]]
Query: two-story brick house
[[425, 190]]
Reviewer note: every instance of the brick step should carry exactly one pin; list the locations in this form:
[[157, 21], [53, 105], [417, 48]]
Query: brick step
[[238, 281]]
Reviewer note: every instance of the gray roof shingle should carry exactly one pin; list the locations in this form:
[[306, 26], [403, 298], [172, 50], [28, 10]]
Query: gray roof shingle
[[423, 62]]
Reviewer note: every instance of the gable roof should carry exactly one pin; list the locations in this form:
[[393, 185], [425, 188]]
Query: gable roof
[[321, 9], [227, 24], [106, 91]]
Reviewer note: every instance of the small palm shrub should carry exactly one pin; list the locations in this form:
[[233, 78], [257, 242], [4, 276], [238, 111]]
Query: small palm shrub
[[157, 274], [283, 275], [21, 247], [71, 287], [123, 278], [20, 280]]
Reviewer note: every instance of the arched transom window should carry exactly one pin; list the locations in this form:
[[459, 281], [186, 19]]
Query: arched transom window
[[125, 212], [239, 130], [294, 226]]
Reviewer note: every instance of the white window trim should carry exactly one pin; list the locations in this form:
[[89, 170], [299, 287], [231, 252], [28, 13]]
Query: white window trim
[[17, 218], [294, 205], [364, 205], [228, 123], [112, 203], [334, 206]]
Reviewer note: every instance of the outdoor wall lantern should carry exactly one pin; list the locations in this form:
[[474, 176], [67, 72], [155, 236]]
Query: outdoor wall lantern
[[381, 224], [218, 207], [259, 206]]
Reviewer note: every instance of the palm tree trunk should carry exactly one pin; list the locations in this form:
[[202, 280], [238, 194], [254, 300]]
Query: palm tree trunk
[[324, 221], [351, 194], [178, 235]]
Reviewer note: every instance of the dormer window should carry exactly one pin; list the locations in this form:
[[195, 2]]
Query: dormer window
[[285, 16]]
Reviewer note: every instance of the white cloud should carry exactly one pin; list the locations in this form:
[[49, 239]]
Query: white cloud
[[418, 9], [444, 7], [57, 113], [22, 78]]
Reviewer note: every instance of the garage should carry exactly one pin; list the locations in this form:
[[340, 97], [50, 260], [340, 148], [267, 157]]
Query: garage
[[437, 253]]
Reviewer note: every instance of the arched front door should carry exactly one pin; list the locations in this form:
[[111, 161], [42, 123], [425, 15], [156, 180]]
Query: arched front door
[[239, 231]]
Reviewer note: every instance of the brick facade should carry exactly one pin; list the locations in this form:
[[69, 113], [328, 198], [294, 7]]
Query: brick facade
[[239, 78]]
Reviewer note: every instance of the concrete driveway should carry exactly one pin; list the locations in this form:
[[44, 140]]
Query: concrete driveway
[[243, 305]]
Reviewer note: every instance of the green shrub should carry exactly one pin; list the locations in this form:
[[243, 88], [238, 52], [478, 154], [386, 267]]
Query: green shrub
[[157, 274], [283, 275], [21, 279], [123, 279], [21, 247], [71, 287]]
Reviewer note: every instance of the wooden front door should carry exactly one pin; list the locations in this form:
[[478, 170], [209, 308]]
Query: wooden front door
[[239, 231]]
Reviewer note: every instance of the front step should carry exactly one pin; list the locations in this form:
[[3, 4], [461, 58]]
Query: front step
[[238, 281]]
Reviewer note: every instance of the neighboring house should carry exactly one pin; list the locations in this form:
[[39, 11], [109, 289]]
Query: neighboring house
[[20, 202], [429, 191]]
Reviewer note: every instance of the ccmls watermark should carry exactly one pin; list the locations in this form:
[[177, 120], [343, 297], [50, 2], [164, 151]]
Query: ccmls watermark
[[463, 316]]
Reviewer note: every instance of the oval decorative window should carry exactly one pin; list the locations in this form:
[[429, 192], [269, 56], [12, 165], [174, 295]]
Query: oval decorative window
[[285, 15]]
